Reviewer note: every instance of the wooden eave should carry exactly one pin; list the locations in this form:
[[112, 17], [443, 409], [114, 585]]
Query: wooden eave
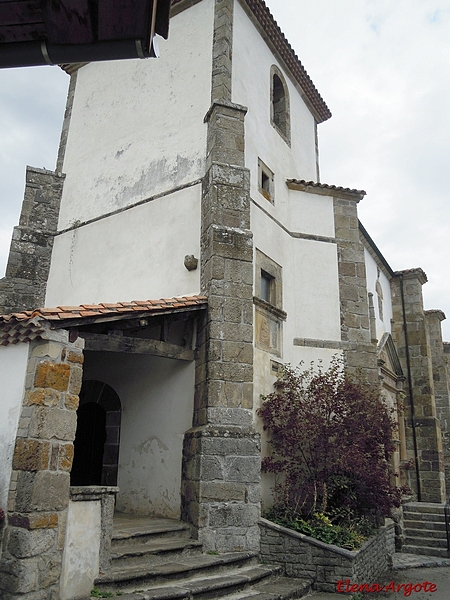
[[39, 32]]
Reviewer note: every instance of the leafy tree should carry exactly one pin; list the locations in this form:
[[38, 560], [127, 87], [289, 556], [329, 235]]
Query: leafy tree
[[331, 438]]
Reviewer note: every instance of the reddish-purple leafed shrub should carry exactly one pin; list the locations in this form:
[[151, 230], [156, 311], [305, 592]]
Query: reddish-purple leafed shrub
[[331, 440]]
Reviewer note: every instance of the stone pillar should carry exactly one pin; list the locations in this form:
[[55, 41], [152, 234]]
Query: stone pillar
[[221, 466], [23, 287], [355, 314], [414, 352], [30, 567], [433, 319]]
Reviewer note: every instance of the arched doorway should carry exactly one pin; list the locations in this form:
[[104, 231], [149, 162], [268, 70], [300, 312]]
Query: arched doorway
[[96, 445]]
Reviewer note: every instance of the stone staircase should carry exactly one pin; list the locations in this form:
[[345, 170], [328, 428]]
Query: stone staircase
[[155, 559], [425, 529]]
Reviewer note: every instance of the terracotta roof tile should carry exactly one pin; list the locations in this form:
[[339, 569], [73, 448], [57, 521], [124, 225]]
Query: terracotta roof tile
[[27, 325], [324, 186]]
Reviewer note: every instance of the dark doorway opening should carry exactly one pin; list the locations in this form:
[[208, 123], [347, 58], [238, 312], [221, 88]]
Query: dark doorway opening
[[96, 445]]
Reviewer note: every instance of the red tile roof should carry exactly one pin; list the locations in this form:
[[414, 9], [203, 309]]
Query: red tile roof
[[28, 325], [323, 186]]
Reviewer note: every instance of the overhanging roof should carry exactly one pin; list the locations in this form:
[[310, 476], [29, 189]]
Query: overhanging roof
[[39, 32], [30, 325]]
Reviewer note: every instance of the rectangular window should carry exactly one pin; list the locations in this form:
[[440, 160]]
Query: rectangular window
[[267, 283], [265, 181]]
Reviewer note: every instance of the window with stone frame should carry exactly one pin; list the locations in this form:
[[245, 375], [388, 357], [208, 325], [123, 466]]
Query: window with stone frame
[[268, 301], [266, 181], [279, 104]]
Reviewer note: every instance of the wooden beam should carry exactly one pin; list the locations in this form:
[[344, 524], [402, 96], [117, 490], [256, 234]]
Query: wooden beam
[[96, 342]]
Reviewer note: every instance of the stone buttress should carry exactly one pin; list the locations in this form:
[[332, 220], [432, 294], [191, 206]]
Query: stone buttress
[[221, 463]]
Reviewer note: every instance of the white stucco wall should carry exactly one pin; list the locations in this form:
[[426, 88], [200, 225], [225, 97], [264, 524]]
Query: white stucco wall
[[13, 366], [311, 213], [137, 125], [157, 397], [371, 274], [252, 60], [135, 255], [80, 564]]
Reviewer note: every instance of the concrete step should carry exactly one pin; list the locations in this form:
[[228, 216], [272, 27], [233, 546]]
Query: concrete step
[[154, 552], [425, 517], [426, 533], [423, 508], [251, 583], [138, 576], [430, 542], [420, 525], [425, 550], [129, 529]]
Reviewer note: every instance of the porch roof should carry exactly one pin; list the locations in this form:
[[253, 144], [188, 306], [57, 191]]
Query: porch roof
[[30, 324]]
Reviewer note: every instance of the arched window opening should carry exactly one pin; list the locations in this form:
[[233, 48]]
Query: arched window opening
[[280, 104], [96, 445]]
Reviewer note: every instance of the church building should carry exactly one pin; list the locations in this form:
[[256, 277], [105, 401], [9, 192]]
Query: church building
[[183, 249]]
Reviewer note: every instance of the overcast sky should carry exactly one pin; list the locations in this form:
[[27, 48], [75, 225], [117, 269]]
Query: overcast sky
[[383, 68]]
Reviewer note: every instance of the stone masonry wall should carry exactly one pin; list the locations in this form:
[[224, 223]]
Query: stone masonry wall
[[433, 319], [28, 266], [303, 556], [414, 352], [354, 302], [221, 462], [33, 542]]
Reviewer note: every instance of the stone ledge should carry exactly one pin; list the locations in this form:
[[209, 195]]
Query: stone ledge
[[83, 493]]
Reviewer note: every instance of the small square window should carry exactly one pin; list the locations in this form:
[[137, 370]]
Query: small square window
[[265, 181]]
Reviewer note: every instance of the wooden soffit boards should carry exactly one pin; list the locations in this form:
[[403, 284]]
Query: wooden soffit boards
[[39, 32]]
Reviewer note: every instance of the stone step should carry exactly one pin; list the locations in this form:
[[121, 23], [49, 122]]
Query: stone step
[[252, 583], [429, 542], [416, 516], [425, 551], [430, 525], [129, 529], [275, 588], [426, 533], [139, 576], [423, 508], [154, 551]]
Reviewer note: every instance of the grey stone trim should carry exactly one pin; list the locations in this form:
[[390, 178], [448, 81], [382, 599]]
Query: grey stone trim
[[273, 310], [331, 344], [129, 207], [295, 234], [66, 122], [28, 266]]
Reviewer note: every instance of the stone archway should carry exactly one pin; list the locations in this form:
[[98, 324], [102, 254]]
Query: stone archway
[[96, 445]]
